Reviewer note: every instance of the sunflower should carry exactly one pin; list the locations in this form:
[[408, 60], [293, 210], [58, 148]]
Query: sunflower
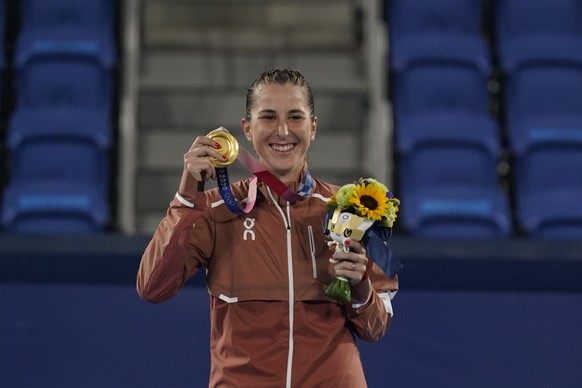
[[366, 198], [370, 200]]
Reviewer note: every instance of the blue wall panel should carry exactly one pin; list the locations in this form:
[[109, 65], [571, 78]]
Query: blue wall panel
[[55, 335], [502, 313], [72, 336]]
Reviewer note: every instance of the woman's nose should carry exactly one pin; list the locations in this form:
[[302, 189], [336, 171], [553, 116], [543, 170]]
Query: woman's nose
[[282, 129]]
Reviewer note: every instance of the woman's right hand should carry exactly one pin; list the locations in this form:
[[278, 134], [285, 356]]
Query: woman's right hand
[[197, 165]]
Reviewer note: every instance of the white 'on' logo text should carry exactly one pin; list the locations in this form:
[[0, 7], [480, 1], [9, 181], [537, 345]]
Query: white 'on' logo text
[[249, 223]]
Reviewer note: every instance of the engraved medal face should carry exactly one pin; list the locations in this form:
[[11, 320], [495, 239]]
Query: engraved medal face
[[228, 147]]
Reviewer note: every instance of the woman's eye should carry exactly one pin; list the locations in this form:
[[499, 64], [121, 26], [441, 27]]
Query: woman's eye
[[295, 118], [268, 117]]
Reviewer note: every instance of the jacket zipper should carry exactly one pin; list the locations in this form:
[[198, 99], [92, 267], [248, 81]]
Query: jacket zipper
[[287, 222]]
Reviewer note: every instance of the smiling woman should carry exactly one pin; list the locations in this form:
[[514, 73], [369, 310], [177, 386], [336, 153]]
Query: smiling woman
[[281, 129], [281, 123], [266, 268]]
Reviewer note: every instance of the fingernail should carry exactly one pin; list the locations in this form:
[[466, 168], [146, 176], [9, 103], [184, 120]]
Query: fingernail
[[224, 157], [217, 145], [347, 242]]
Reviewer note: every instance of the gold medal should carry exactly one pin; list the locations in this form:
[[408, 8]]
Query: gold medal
[[228, 146]]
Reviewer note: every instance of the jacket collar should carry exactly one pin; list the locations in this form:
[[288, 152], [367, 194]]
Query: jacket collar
[[264, 189]]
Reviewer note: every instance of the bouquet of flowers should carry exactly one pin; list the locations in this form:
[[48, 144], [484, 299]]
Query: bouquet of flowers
[[363, 211]]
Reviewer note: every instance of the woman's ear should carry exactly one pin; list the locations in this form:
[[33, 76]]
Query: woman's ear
[[313, 128], [246, 126]]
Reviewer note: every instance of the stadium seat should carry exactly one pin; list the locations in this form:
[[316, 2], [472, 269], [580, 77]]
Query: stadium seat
[[436, 89], [446, 139], [552, 213], [539, 45], [543, 104], [548, 188], [448, 149], [67, 27], [65, 53], [457, 212], [59, 134], [98, 14], [436, 30], [54, 207], [528, 31], [546, 142], [70, 42], [63, 80], [443, 131], [448, 179], [61, 144]]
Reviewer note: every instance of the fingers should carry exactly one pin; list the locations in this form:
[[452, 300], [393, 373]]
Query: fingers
[[353, 245], [351, 264], [197, 160]]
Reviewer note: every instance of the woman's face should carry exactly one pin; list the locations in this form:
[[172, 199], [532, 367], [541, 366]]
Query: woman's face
[[281, 129]]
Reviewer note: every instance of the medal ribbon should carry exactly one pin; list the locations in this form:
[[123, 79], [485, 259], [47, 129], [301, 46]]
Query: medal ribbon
[[259, 173]]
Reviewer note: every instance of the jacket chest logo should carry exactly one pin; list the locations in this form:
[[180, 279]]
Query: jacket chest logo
[[248, 233]]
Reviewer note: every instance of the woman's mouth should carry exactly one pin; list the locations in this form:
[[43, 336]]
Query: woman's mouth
[[282, 147]]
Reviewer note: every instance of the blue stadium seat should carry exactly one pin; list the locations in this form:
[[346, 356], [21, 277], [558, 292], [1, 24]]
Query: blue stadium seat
[[70, 42], [552, 213], [54, 207], [448, 149], [559, 218], [61, 130], [446, 139], [444, 135], [65, 53], [528, 31], [97, 14], [540, 52], [448, 179], [457, 212], [548, 188], [60, 144], [63, 80], [543, 105], [52, 27], [436, 30], [437, 89]]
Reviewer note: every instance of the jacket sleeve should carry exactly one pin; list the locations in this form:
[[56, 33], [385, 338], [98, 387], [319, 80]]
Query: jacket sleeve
[[372, 318], [170, 258]]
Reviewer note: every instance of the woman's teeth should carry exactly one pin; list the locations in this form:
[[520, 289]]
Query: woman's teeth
[[282, 148]]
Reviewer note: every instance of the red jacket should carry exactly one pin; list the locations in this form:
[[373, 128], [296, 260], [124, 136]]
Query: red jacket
[[271, 323]]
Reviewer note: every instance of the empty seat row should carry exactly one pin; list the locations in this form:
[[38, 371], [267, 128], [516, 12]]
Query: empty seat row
[[449, 142], [60, 132], [540, 57]]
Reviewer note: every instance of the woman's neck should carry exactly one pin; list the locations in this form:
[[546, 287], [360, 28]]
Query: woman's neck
[[291, 178]]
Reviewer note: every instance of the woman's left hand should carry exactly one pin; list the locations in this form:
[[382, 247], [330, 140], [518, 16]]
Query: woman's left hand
[[352, 264]]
